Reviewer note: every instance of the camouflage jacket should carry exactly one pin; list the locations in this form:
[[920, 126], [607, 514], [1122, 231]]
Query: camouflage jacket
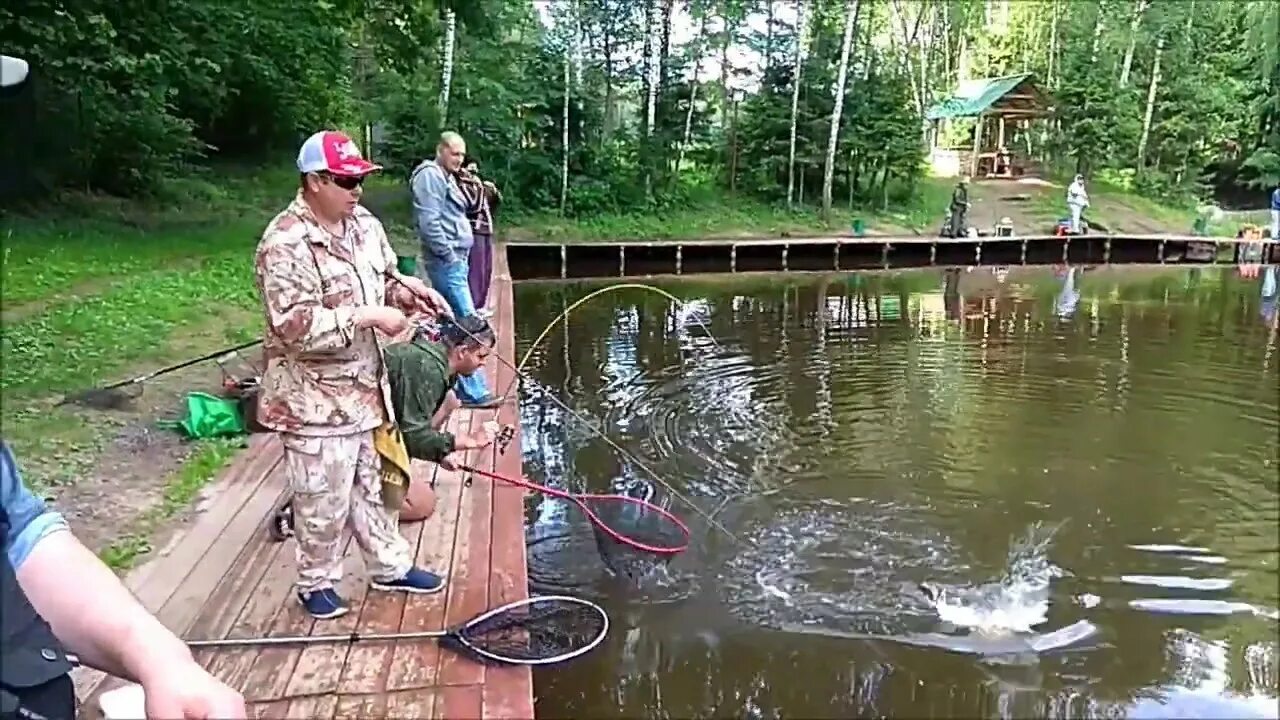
[[323, 376], [420, 380]]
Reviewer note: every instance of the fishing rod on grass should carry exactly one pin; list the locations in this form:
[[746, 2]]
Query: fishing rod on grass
[[117, 395], [520, 376]]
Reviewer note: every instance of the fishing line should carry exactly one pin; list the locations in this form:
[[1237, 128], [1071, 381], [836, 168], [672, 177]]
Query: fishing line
[[564, 315], [519, 375]]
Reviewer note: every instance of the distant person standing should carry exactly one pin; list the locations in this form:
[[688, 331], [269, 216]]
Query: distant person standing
[[440, 215], [1077, 201], [960, 209], [1275, 213], [482, 198]]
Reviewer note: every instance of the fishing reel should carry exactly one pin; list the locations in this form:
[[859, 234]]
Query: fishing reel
[[280, 524], [427, 329], [503, 439]]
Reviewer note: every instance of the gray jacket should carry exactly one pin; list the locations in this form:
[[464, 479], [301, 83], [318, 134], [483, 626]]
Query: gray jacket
[[440, 214]]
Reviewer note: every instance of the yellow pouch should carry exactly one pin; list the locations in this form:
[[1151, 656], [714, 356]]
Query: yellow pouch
[[395, 468]]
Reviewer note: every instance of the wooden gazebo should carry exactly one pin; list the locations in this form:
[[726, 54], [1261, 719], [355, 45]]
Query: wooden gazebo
[[1001, 143]]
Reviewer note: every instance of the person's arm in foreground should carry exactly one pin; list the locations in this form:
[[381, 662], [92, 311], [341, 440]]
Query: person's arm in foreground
[[97, 618]]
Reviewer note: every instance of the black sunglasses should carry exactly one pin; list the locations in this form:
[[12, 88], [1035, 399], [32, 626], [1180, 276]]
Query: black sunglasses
[[346, 182]]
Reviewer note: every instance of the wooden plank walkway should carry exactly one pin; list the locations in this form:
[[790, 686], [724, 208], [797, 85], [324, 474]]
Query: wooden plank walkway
[[225, 578]]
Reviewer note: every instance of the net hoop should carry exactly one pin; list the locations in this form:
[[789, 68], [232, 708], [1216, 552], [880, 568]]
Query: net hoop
[[645, 506], [596, 520], [458, 635]]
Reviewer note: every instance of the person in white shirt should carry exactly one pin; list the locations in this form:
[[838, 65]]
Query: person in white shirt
[[1077, 201]]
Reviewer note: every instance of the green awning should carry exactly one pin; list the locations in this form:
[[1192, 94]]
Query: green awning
[[973, 97]]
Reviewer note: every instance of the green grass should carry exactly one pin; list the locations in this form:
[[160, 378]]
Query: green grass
[[718, 214], [81, 344], [731, 216], [100, 289], [204, 464], [95, 286]]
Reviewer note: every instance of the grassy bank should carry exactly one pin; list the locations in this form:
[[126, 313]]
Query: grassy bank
[[708, 215], [730, 216], [98, 290], [1032, 206]]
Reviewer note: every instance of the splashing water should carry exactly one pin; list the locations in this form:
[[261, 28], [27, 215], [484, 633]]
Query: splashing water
[[1018, 602]]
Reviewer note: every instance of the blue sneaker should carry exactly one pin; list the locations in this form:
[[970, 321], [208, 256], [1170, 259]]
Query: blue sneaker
[[323, 604], [414, 581], [487, 402]]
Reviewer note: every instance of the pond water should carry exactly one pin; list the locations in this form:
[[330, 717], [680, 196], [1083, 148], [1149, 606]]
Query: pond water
[[1042, 492]]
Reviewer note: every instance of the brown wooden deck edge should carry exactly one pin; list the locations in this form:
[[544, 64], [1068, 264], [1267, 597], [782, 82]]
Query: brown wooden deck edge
[[878, 240], [507, 692]]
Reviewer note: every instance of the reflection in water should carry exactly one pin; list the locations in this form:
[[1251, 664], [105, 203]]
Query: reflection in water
[[1270, 294], [958, 494], [1065, 303]]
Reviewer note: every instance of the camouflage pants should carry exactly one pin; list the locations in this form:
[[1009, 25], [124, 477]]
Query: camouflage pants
[[335, 483]]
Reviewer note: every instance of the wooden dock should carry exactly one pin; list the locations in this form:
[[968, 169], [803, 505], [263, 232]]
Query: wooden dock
[[223, 577], [623, 258]]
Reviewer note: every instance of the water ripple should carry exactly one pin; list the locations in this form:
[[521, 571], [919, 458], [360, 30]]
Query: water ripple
[[866, 444]]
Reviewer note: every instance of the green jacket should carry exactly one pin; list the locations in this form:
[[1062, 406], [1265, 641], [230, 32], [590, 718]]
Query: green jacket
[[418, 372]]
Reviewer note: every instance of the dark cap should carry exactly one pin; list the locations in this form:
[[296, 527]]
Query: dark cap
[[469, 330]]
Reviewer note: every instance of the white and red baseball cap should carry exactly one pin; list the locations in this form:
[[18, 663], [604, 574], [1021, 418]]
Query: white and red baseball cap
[[333, 152]]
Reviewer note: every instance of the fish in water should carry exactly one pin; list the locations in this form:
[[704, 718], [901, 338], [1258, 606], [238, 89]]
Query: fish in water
[[991, 645], [1017, 602], [629, 520], [771, 589]]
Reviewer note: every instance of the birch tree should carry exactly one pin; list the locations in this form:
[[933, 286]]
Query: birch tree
[[1151, 105], [829, 166], [446, 74], [564, 141], [654, 46], [700, 46], [1139, 8], [796, 76]]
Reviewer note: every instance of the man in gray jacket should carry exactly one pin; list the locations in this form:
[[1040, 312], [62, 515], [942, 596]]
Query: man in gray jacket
[[440, 214]]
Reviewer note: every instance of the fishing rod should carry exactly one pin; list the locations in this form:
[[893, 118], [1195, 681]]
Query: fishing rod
[[520, 375], [115, 394], [564, 315]]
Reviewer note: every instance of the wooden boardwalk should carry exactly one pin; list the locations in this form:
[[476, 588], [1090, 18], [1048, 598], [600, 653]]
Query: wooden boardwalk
[[223, 577], [596, 259]]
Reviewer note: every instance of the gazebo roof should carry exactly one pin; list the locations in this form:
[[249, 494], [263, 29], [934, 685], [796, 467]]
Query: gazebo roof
[[975, 97]]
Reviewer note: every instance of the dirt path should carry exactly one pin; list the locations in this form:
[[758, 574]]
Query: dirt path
[[1034, 205]]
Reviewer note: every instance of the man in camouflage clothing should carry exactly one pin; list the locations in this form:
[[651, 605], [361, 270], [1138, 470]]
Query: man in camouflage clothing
[[421, 370], [328, 281]]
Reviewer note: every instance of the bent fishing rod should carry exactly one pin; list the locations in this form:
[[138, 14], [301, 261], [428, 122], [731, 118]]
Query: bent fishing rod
[[519, 374]]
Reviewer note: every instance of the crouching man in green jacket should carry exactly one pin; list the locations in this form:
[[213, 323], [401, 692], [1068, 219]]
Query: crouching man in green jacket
[[421, 371]]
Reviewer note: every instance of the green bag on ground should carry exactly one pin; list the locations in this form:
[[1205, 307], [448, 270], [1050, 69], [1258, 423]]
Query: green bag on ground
[[209, 416]]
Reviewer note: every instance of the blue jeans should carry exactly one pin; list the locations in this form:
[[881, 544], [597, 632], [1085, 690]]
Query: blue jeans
[[450, 280]]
